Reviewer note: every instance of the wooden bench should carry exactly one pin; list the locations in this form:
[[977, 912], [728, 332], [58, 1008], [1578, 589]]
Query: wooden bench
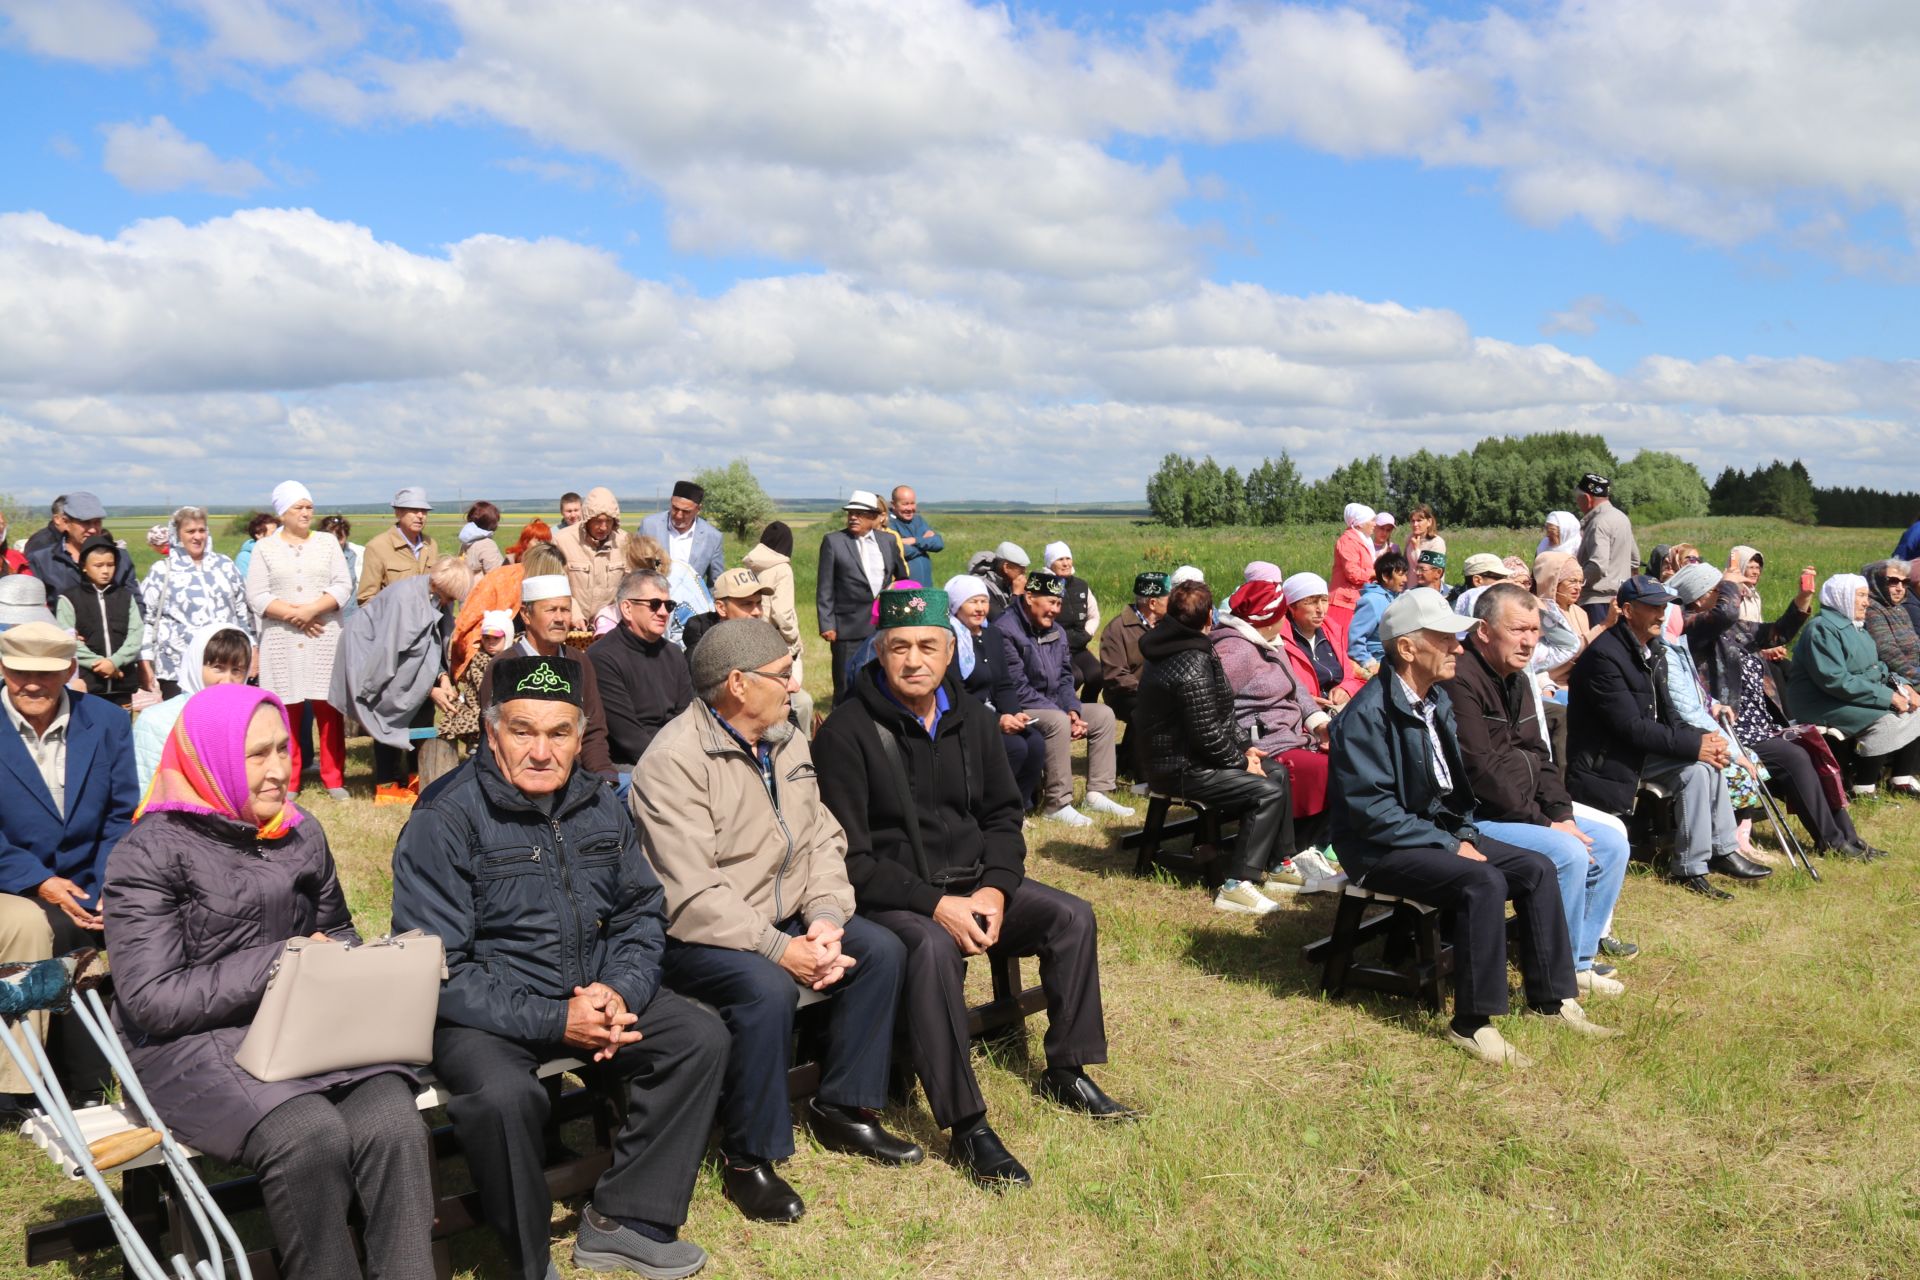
[[149, 1197], [1416, 960], [1203, 824]]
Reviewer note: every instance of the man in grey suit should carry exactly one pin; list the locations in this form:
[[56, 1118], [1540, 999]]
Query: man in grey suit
[[685, 535], [856, 565]]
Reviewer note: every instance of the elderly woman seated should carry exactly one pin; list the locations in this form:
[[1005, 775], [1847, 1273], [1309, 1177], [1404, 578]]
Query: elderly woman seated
[[1838, 682], [218, 873], [1272, 703], [1316, 642], [980, 665], [1889, 625]]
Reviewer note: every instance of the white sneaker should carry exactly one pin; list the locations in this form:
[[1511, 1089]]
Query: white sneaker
[[1599, 984], [1071, 816], [1574, 1019], [1283, 883], [1865, 790], [1317, 874], [1101, 802], [1488, 1045], [1141, 789], [1241, 897]]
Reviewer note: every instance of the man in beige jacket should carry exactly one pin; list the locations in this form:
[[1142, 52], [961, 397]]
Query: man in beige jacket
[[403, 551], [759, 913], [596, 554]]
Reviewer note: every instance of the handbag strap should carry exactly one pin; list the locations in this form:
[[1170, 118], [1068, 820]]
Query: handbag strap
[[903, 793]]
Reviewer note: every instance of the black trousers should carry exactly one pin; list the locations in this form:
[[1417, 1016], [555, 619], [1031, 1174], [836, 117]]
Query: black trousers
[[318, 1153], [757, 999], [499, 1110], [843, 653], [1027, 757], [1264, 805], [1042, 921], [1086, 674], [1476, 893], [1128, 764], [1797, 785], [77, 1061]]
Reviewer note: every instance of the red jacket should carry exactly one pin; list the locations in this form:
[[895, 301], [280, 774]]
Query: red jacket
[[1352, 568], [1335, 630]]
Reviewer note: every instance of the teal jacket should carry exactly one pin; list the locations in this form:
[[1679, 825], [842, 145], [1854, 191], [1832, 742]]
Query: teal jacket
[[1837, 679]]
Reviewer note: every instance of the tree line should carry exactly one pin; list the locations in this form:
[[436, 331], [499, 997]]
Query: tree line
[[1505, 482], [1786, 490]]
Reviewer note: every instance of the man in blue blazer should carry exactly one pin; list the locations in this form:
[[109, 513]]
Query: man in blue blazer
[[66, 768], [685, 535]]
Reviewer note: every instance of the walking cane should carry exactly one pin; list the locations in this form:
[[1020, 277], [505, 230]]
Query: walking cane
[[1783, 830]]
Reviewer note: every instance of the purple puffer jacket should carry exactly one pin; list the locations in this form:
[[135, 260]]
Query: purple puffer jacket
[[1268, 701], [197, 910]]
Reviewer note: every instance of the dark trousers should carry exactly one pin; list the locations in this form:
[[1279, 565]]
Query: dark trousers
[[1042, 921], [844, 652], [1557, 734], [1086, 674], [1265, 808], [77, 1061], [1027, 757], [1797, 785], [757, 999], [318, 1153], [1476, 893], [397, 764], [499, 1110], [1122, 701]]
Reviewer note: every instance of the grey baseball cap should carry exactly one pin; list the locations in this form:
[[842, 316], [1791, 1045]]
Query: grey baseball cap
[[1422, 609], [23, 599]]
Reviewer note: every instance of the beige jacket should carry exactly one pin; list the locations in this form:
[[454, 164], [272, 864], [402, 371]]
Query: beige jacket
[[734, 861], [388, 560], [593, 573], [776, 571]]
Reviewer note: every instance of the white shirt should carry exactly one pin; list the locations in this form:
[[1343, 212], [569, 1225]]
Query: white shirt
[[680, 545], [49, 749], [1425, 708], [872, 561]]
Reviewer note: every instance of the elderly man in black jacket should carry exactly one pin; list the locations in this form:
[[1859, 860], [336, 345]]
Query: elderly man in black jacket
[[913, 768], [856, 565], [1622, 728], [529, 870], [642, 675], [1518, 794], [1402, 819], [1197, 750]]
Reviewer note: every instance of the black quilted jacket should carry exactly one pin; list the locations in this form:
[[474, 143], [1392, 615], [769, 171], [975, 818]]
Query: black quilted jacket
[[1186, 707]]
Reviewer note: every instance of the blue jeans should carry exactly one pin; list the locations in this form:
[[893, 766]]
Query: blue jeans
[[1590, 877]]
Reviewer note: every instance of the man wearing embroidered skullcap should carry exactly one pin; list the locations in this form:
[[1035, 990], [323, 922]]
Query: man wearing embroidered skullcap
[[545, 610], [1040, 669], [529, 870], [1608, 552], [1079, 618], [1120, 659], [759, 911], [686, 535], [403, 551]]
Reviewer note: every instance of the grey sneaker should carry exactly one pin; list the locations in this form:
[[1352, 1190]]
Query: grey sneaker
[[604, 1245]]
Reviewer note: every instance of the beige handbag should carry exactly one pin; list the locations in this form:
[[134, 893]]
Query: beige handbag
[[333, 1007]]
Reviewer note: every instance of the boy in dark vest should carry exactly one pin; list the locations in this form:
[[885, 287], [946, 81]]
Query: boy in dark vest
[[107, 620]]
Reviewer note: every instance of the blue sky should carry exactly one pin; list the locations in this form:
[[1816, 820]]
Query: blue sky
[[816, 234]]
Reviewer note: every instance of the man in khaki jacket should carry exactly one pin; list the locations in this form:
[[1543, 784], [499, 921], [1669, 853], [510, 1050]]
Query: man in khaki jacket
[[596, 554], [404, 551], [759, 913]]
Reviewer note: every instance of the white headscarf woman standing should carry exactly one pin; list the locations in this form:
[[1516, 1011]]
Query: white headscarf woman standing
[[1562, 535]]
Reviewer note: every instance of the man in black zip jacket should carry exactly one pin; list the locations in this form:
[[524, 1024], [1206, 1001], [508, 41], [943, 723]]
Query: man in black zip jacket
[[1196, 750], [943, 865], [529, 870]]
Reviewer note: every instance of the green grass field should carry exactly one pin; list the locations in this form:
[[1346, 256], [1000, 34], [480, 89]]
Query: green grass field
[[1758, 1118]]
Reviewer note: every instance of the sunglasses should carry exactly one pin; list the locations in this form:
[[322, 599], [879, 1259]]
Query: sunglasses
[[657, 606]]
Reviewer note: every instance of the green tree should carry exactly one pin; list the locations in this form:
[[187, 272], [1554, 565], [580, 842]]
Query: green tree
[[1785, 491], [735, 501], [1273, 492], [1656, 486], [1169, 491]]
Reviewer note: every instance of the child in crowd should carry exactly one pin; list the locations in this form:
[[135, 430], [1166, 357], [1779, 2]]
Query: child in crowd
[[462, 723], [107, 621]]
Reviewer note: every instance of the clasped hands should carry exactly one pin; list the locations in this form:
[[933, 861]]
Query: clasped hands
[[597, 1019], [973, 920], [815, 959]]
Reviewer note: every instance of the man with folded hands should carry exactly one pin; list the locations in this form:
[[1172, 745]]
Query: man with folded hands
[[912, 767], [759, 911], [529, 870]]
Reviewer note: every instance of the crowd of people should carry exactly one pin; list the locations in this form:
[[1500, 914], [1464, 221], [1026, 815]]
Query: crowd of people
[[647, 849]]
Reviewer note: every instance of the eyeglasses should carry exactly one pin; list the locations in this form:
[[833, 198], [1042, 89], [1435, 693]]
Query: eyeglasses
[[658, 606], [1689, 559], [781, 677]]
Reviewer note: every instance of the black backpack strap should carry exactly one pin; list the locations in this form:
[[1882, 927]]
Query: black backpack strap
[[903, 792]]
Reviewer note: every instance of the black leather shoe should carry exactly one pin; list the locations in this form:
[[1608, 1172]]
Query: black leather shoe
[[1738, 866], [1617, 949], [982, 1157], [1070, 1087], [856, 1131], [1863, 852], [760, 1193], [1702, 886]]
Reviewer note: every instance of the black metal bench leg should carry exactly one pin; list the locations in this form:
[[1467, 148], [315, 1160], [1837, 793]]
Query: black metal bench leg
[[1150, 835], [1346, 932], [1426, 935]]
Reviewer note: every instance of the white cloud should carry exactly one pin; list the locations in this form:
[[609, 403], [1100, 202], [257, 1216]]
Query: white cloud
[[317, 349], [103, 32], [156, 156], [275, 33], [1584, 314]]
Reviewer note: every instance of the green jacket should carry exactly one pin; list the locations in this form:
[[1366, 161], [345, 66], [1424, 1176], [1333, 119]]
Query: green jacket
[[1837, 679]]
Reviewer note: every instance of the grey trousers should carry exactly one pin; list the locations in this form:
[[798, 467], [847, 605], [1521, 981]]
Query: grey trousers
[[319, 1152], [1056, 789], [1706, 811]]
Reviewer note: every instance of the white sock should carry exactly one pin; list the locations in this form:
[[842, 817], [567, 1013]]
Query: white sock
[[1904, 780]]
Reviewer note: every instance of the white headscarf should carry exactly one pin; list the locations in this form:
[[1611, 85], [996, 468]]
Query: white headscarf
[[192, 679], [1303, 586], [1569, 528], [1055, 551], [1359, 513], [1186, 573], [286, 493], [1839, 593], [960, 588]]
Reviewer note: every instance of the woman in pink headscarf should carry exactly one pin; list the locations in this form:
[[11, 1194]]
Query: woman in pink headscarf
[[201, 897]]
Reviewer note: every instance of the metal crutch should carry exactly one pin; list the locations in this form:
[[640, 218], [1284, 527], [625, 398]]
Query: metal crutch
[[1777, 815]]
